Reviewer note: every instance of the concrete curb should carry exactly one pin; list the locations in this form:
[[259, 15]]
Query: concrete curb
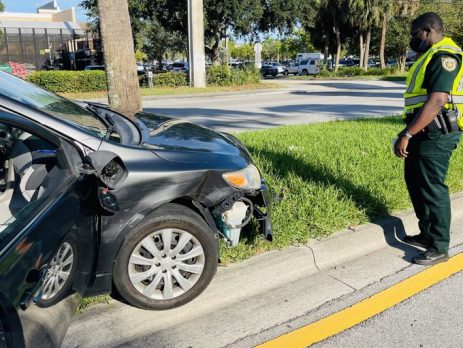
[[372, 237]]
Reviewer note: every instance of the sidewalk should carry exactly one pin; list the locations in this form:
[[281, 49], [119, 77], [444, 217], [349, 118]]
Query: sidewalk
[[246, 298]]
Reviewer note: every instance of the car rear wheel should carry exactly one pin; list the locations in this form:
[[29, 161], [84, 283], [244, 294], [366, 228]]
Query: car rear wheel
[[304, 72], [166, 261], [60, 276], [286, 73]]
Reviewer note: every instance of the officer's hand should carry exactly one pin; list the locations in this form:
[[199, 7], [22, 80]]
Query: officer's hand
[[401, 147]]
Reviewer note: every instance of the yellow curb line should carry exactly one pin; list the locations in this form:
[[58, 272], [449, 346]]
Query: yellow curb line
[[367, 308]]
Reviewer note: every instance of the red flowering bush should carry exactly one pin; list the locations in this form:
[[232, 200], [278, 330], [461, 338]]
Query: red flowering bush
[[17, 70]]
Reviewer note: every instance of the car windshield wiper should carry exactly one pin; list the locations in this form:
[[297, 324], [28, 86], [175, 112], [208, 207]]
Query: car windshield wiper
[[104, 116]]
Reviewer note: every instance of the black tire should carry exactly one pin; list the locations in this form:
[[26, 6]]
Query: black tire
[[66, 286], [304, 72], [286, 73], [274, 75], [172, 217]]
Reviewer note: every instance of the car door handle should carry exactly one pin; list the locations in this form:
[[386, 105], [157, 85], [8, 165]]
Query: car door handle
[[35, 277]]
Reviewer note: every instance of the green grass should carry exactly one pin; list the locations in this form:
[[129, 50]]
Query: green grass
[[89, 301], [328, 177], [158, 91]]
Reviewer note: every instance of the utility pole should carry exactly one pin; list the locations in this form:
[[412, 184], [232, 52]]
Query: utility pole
[[196, 55]]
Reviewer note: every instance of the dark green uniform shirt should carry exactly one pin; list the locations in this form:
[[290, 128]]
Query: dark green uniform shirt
[[441, 72]]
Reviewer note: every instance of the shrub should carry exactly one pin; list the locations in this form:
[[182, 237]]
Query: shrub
[[70, 81], [356, 71], [223, 75], [170, 79]]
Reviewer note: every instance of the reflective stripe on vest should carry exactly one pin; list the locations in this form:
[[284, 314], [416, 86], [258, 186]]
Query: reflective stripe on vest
[[416, 96], [424, 98]]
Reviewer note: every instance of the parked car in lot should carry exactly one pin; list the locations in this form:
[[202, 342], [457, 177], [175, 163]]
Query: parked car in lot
[[94, 67], [93, 202], [290, 68], [279, 67], [179, 67], [268, 69], [346, 63], [308, 67]]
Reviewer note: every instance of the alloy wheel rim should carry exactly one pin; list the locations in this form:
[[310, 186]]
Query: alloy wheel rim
[[166, 264], [58, 272]]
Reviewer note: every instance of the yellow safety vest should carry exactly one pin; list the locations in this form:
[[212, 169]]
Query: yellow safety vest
[[415, 95]]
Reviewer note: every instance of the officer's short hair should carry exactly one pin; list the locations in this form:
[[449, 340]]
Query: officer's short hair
[[429, 20]]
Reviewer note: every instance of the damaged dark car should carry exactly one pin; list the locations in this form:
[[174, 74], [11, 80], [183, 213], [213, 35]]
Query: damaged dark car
[[93, 202]]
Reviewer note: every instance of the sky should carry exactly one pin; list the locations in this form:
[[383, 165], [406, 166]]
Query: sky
[[31, 6]]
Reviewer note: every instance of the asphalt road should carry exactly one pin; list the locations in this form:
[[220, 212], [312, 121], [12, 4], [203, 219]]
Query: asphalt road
[[297, 102], [432, 318]]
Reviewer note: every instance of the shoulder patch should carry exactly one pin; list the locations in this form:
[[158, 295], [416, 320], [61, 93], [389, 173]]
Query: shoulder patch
[[449, 63]]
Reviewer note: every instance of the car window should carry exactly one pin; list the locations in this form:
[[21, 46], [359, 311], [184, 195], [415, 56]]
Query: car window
[[31, 168], [52, 104], [303, 62]]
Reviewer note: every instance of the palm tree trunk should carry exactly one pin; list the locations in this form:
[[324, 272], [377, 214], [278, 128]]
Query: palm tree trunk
[[382, 45], [362, 49], [118, 49], [216, 49], [338, 46], [327, 50], [402, 61], [367, 49]]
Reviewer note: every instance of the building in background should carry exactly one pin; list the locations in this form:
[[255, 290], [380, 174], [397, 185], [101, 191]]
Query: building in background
[[49, 39]]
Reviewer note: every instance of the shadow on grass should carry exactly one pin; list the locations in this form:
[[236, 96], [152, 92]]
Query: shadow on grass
[[377, 212]]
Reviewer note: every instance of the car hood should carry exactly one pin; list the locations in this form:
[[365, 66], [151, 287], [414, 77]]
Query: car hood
[[169, 135]]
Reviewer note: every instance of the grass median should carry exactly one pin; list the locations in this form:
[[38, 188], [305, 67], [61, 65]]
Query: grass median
[[328, 177], [177, 91]]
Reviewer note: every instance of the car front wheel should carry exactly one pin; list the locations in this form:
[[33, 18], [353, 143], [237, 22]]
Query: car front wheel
[[304, 73], [167, 261]]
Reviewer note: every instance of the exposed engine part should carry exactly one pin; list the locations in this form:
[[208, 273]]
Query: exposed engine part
[[227, 203], [233, 220]]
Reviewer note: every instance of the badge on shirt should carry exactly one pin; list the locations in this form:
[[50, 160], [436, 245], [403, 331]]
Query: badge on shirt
[[449, 63]]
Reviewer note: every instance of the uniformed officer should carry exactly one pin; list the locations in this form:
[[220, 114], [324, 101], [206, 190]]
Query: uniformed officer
[[434, 92]]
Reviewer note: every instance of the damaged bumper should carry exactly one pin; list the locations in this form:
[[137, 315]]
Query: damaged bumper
[[262, 210], [236, 211]]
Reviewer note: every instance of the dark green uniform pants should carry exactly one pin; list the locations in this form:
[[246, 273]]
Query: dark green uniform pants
[[425, 170]]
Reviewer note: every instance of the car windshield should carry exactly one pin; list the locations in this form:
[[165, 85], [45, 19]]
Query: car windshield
[[52, 104]]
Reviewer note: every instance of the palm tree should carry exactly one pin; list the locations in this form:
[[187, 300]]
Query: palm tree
[[364, 15], [332, 19], [119, 55], [387, 10]]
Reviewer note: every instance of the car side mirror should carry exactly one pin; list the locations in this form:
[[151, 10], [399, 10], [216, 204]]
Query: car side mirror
[[107, 166]]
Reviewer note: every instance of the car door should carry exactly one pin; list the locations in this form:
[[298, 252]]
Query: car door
[[47, 234]]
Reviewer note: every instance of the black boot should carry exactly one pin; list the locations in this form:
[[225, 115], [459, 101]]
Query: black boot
[[431, 257]]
